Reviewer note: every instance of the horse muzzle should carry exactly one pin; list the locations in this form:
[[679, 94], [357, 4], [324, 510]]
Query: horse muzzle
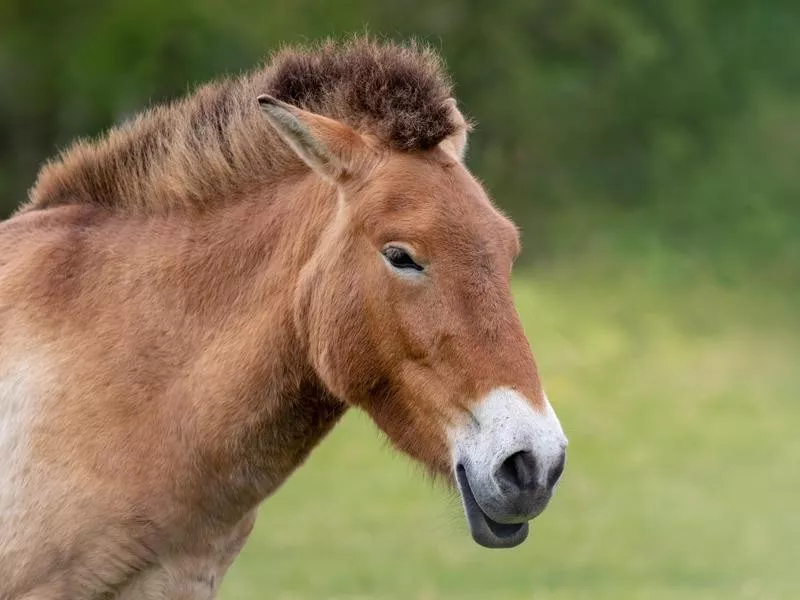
[[508, 461]]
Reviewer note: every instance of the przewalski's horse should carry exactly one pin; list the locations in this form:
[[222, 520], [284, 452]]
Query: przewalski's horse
[[191, 303]]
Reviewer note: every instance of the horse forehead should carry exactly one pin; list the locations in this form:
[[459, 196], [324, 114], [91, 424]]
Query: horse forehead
[[434, 193], [420, 172]]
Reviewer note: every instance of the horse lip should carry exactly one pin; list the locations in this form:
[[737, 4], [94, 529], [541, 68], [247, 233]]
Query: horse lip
[[486, 531]]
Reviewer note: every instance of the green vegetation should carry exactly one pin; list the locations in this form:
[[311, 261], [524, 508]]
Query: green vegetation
[[682, 410], [649, 150]]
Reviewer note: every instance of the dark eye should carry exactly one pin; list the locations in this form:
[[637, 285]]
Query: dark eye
[[400, 259]]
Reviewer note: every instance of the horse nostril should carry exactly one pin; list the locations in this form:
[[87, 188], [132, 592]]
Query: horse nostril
[[519, 470], [555, 473]]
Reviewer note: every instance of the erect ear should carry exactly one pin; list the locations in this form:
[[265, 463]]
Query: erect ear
[[330, 147], [456, 144]]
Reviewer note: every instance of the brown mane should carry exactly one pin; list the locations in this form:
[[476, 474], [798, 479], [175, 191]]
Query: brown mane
[[215, 145]]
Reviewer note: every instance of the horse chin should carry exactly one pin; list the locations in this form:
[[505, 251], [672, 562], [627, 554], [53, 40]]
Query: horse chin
[[486, 531]]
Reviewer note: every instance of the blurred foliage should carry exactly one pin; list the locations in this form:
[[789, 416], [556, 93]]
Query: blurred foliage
[[671, 122]]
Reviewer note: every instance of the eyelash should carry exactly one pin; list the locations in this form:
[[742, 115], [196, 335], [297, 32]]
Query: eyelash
[[400, 259]]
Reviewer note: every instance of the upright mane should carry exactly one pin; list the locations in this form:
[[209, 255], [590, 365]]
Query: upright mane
[[214, 144]]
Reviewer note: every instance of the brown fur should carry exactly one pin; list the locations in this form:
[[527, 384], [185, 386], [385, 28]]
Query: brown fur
[[188, 309], [215, 145]]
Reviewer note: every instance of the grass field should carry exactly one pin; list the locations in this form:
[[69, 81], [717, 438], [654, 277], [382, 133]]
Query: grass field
[[683, 479]]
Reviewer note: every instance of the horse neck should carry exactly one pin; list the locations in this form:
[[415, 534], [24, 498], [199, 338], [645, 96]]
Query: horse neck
[[257, 406]]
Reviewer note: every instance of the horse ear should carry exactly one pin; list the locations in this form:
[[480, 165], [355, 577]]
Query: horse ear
[[330, 147], [456, 144]]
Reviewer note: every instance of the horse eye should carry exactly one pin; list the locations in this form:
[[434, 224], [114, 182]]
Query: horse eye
[[400, 259]]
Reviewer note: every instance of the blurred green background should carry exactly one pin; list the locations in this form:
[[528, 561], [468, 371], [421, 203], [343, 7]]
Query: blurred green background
[[649, 150]]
